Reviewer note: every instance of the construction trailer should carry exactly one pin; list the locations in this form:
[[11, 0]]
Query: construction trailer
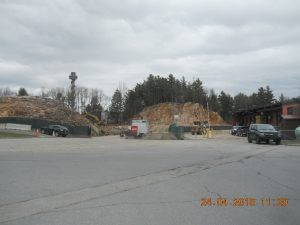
[[139, 127]]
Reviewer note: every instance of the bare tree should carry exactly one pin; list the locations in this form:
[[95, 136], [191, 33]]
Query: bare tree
[[56, 93], [44, 93], [82, 98], [7, 92]]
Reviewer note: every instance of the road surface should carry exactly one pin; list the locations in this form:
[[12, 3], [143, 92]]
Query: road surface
[[108, 180]]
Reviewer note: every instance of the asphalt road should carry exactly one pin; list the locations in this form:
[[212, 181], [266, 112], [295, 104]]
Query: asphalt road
[[108, 180]]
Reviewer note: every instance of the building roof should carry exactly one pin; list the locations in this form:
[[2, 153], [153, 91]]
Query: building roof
[[270, 107]]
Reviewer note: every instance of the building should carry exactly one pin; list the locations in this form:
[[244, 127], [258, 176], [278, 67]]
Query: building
[[290, 119], [283, 116]]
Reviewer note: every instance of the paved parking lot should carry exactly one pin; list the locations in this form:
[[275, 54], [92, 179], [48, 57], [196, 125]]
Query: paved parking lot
[[108, 180]]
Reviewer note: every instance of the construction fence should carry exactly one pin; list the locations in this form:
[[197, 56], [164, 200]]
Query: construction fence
[[38, 123], [288, 134]]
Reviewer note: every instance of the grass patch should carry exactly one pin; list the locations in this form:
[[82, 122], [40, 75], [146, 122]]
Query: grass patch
[[6, 134]]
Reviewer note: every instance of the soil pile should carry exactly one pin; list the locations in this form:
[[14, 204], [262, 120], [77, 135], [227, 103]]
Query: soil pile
[[48, 109], [160, 116]]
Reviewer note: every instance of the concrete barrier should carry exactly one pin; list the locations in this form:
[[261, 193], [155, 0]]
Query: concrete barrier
[[14, 126], [38, 123]]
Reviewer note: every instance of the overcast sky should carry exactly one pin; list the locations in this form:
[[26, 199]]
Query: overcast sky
[[231, 45]]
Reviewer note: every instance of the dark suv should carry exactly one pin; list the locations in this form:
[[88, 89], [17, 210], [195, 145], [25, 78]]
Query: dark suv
[[263, 132], [58, 130]]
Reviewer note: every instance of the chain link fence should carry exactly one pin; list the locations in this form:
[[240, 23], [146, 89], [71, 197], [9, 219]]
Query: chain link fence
[[288, 134]]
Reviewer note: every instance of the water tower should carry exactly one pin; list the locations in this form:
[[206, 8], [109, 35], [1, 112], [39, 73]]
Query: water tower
[[73, 77]]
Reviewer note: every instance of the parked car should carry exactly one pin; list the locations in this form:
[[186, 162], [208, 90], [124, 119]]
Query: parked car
[[263, 132], [234, 130], [57, 129], [242, 131]]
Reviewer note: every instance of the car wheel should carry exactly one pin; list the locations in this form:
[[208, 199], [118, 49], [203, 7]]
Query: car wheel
[[257, 140], [268, 141], [56, 134]]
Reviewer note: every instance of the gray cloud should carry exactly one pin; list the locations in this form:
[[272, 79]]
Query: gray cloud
[[237, 46]]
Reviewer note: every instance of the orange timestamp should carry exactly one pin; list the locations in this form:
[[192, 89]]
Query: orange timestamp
[[245, 202]]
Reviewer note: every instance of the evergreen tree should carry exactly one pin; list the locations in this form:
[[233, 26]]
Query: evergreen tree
[[116, 107], [264, 96], [95, 107], [226, 104], [241, 102], [213, 101], [198, 94], [22, 92], [158, 89]]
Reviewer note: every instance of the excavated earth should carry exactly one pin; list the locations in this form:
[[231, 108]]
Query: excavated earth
[[160, 116], [48, 109], [41, 108]]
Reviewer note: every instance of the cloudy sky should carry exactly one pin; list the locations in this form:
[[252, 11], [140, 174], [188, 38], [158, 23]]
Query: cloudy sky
[[230, 45]]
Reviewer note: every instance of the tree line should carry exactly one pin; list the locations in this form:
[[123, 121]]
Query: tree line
[[124, 103], [159, 89], [85, 99]]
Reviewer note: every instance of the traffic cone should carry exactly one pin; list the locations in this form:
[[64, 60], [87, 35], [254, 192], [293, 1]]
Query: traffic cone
[[37, 132]]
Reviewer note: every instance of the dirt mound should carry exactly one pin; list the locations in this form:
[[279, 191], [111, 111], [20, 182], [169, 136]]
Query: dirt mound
[[41, 108], [46, 108], [161, 115]]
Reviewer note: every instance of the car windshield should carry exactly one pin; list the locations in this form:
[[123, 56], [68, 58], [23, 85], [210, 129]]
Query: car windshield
[[265, 127]]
